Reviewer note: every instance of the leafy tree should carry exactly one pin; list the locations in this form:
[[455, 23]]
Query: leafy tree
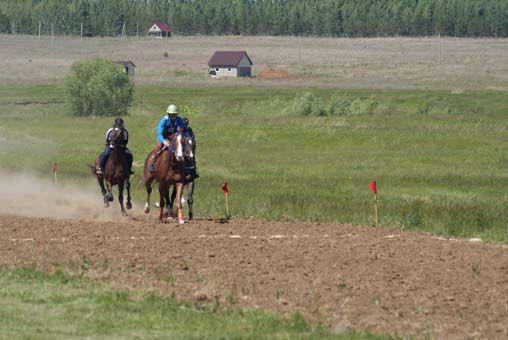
[[262, 17], [5, 25], [98, 87]]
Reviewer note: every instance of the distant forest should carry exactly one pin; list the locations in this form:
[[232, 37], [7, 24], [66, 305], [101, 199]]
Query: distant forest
[[340, 18]]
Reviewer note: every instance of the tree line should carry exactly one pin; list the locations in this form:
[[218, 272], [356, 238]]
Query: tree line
[[341, 18]]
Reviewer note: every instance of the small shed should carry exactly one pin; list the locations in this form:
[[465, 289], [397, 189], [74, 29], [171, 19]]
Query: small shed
[[129, 66], [230, 64], [159, 29]]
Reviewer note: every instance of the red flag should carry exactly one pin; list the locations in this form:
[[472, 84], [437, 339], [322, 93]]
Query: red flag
[[373, 187], [55, 167], [225, 188]]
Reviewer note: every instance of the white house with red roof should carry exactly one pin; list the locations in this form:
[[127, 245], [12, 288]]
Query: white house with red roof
[[159, 29], [230, 64]]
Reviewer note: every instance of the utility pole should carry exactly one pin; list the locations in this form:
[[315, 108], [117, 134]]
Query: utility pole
[[81, 34], [137, 30], [39, 30], [123, 30]]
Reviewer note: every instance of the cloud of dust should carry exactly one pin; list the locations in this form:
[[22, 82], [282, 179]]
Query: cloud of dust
[[33, 196]]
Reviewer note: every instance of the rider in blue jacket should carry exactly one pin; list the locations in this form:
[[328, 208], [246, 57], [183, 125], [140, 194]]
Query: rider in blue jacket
[[167, 127]]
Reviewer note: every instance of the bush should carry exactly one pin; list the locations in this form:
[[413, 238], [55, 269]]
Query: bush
[[339, 106], [363, 106], [308, 105], [98, 87]]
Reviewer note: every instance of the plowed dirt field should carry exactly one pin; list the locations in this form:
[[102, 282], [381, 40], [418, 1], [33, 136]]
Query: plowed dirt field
[[379, 280]]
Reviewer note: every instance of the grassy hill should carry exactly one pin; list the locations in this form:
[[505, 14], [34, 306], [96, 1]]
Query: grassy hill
[[439, 157]]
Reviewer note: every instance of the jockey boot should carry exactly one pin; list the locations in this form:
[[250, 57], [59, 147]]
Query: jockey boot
[[196, 175], [102, 165], [152, 163], [128, 161]]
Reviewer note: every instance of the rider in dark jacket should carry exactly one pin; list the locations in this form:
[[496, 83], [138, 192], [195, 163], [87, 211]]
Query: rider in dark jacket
[[103, 158], [192, 170]]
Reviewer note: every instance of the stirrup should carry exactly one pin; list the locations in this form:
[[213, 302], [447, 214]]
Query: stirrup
[[99, 171]]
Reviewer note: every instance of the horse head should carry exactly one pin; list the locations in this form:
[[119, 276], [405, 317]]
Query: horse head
[[117, 135], [188, 148], [178, 147]]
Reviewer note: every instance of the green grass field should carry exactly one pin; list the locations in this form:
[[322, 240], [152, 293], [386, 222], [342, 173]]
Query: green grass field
[[37, 305], [439, 158]]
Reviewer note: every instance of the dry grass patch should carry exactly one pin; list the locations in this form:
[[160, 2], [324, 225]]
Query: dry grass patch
[[446, 63]]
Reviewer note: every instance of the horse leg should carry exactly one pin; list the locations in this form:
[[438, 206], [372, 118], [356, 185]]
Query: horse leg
[[171, 201], [120, 198], [178, 200], [190, 200], [148, 187], [109, 194], [163, 189], [169, 204], [100, 179], [128, 187]]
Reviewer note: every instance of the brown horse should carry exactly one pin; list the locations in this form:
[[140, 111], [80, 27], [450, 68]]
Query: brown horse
[[115, 173], [169, 170], [189, 151]]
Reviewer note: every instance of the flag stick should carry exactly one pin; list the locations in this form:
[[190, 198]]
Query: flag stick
[[55, 170], [375, 208], [227, 206]]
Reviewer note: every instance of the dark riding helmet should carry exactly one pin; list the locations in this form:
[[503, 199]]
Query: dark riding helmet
[[118, 122]]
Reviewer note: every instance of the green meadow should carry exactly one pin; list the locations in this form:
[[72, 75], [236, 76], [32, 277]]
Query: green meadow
[[37, 305], [440, 158]]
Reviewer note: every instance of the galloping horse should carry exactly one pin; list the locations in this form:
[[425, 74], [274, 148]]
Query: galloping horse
[[169, 170], [189, 148], [115, 173]]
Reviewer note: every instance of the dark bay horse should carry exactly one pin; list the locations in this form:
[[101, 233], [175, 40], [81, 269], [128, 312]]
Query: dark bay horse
[[115, 173], [169, 170]]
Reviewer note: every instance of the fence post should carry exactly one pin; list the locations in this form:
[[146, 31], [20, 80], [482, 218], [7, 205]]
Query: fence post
[[39, 30]]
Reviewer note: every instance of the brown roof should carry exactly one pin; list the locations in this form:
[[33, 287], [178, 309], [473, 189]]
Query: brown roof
[[228, 58], [163, 26], [125, 62]]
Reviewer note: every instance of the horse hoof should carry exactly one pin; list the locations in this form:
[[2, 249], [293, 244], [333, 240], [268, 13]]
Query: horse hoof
[[128, 205], [124, 213], [106, 204], [110, 199], [147, 210], [181, 222]]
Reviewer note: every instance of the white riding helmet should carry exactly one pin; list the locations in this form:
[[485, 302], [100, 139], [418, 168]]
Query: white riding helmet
[[172, 109]]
